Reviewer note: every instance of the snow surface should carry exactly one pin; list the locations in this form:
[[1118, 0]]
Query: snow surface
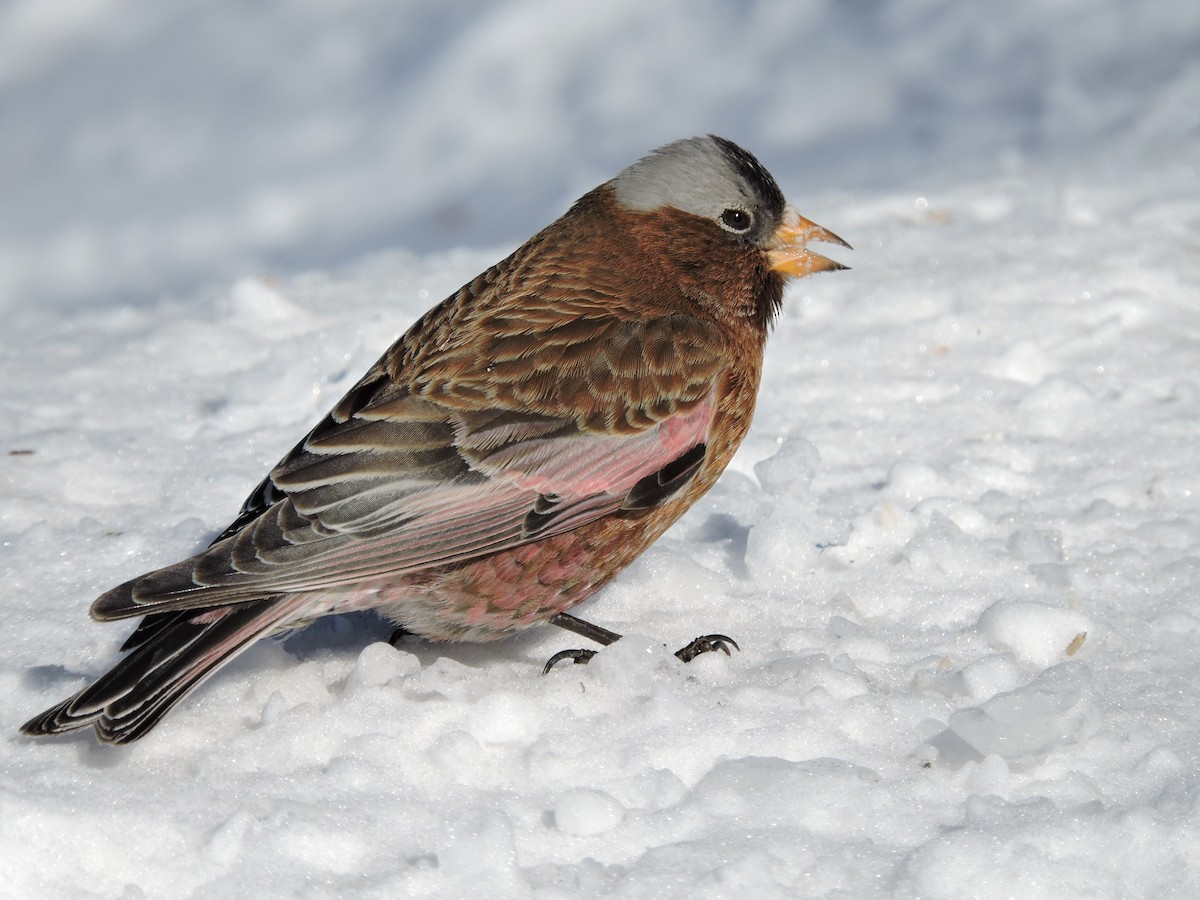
[[960, 548]]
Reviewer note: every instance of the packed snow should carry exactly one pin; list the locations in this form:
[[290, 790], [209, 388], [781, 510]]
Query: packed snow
[[960, 549]]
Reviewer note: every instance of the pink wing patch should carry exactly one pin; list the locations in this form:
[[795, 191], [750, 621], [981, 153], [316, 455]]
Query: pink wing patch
[[580, 465]]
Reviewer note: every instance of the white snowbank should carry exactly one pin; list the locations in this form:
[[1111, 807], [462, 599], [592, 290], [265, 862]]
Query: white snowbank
[[960, 549]]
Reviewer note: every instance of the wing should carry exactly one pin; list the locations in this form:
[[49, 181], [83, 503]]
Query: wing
[[424, 470]]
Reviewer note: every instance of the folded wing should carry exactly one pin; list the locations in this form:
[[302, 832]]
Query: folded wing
[[394, 480]]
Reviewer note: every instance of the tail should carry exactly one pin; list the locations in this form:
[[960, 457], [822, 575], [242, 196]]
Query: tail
[[171, 659]]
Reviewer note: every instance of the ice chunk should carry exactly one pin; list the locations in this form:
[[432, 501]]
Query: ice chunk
[[989, 676], [505, 717], [585, 811], [447, 678], [791, 468], [1035, 632], [1047, 712], [812, 795], [378, 664]]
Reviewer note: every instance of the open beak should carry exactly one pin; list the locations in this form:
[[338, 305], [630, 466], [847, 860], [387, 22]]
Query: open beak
[[788, 252]]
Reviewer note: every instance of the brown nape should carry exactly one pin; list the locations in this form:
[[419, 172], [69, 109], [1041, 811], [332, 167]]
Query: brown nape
[[604, 261]]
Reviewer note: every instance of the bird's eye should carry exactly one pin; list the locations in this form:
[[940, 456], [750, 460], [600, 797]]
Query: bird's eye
[[736, 220]]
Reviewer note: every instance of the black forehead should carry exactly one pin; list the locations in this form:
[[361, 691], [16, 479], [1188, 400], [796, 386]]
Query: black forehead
[[753, 172]]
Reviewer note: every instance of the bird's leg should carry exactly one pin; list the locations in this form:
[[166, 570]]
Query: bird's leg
[[398, 635], [602, 636]]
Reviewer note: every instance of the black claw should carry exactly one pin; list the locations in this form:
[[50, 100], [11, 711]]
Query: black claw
[[703, 644], [706, 643], [398, 635], [579, 657]]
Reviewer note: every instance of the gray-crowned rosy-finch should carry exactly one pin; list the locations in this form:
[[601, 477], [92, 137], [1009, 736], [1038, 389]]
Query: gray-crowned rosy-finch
[[518, 447]]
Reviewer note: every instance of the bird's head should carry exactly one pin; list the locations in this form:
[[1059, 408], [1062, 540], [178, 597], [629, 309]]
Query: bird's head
[[714, 212]]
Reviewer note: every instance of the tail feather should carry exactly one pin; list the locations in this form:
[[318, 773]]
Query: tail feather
[[162, 669]]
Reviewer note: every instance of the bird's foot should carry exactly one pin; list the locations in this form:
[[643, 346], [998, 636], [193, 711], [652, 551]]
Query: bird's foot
[[579, 657], [706, 643], [398, 635]]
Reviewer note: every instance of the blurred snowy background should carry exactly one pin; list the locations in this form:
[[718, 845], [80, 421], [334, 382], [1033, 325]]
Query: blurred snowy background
[[960, 549], [150, 146]]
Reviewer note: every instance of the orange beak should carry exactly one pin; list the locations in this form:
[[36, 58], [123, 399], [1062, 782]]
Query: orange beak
[[789, 254]]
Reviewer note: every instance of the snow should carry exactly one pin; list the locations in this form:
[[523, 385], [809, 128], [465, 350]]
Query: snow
[[960, 549]]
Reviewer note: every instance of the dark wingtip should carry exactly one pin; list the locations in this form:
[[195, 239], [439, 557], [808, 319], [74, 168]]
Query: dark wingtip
[[55, 720], [117, 603], [36, 727]]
